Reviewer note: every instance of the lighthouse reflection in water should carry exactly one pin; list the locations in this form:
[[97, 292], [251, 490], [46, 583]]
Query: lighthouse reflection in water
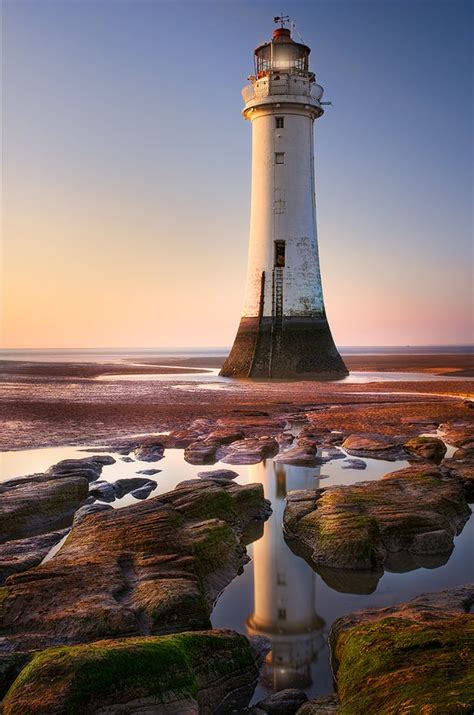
[[284, 586]]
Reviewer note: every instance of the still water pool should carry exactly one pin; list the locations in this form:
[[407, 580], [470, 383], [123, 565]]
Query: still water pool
[[279, 595]]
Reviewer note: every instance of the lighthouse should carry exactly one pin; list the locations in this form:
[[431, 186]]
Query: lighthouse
[[283, 332], [284, 587]]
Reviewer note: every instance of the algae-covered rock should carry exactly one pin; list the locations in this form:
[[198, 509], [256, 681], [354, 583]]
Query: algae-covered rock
[[415, 512], [432, 449], [151, 568], [182, 673], [415, 657]]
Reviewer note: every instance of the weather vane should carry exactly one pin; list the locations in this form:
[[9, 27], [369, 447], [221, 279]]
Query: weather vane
[[282, 19]]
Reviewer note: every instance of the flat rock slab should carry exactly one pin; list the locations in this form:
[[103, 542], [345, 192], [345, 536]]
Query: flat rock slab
[[218, 474], [250, 451], [376, 446], [413, 513], [88, 467], [151, 568], [181, 673], [354, 464], [415, 657], [303, 456], [23, 554]]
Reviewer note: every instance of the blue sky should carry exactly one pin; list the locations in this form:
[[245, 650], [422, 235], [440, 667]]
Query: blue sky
[[127, 168]]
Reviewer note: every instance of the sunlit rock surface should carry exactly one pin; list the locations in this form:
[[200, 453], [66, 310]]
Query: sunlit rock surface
[[151, 568], [399, 521]]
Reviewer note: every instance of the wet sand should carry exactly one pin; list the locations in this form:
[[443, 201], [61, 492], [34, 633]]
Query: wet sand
[[455, 364], [51, 404]]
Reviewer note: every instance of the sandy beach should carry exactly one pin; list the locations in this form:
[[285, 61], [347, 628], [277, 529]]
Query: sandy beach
[[49, 404]]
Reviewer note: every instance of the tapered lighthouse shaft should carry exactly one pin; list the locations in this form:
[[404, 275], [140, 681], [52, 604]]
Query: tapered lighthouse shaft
[[283, 332]]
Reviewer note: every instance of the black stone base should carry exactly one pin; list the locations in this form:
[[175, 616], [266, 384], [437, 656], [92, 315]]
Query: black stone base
[[298, 348]]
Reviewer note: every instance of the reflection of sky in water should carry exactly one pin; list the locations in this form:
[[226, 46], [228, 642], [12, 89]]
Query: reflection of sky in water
[[279, 595], [212, 374]]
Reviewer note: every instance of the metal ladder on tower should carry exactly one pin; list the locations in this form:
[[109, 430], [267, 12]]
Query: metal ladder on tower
[[277, 313], [278, 297]]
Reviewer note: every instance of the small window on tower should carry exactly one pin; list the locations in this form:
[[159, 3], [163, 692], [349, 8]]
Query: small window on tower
[[279, 157], [280, 122], [279, 254], [281, 615]]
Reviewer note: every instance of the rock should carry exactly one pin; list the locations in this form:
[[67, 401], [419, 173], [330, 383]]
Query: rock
[[10, 666], [250, 451], [325, 705], [150, 450], [331, 453], [461, 466], [376, 446], [127, 460], [181, 673], [284, 702], [413, 657], [143, 492], [87, 509], [151, 568], [469, 404], [302, 456], [459, 433], [149, 472], [225, 436], [430, 448], [218, 474], [285, 439], [201, 452], [354, 464], [88, 467], [31, 508], [415, 511], [22, 554], [124, 486], [103, 491]]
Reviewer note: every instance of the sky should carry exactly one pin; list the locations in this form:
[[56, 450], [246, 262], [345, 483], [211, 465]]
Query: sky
[[126, 169]]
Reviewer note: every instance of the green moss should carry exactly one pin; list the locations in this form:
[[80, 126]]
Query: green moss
[[397, 665], [70, 679], [213, 505], [213, 550]]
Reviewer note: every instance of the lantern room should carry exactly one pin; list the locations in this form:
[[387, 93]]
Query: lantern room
[[282, 54]]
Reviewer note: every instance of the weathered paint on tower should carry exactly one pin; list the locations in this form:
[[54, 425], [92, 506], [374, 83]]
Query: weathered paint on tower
[[283, 332]]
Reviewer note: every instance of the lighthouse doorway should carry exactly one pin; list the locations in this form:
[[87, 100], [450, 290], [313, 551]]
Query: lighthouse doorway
[[280, 254]]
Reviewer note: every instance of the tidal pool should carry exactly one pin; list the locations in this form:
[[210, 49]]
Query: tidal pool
[[278, 595]]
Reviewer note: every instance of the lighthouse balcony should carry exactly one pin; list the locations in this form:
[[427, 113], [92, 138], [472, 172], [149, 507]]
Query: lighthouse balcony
[[271, 88]]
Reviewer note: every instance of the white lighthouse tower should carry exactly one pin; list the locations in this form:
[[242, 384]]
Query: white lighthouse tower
[[283, 332], [284, 586]]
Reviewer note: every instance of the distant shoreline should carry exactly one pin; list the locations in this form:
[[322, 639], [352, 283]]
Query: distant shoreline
[[448, 364]]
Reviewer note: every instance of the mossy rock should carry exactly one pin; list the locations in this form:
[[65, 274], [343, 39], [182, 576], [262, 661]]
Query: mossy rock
[[200, 668], [414, 658]]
